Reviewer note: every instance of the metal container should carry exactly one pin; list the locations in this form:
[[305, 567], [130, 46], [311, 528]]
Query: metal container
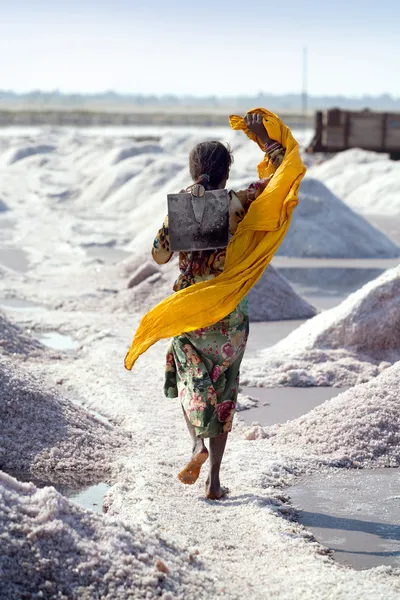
[[198, 220]]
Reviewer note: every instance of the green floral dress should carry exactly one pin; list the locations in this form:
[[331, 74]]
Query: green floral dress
[[203, 371]]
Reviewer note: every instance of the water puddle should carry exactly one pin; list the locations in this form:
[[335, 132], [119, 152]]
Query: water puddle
[[354, 513], [6, 228], [281, 262], [108, 255], [89, 496], [327, 286], [18, 304], [278, 405], [57, 341], [266, 334], [15, 259]]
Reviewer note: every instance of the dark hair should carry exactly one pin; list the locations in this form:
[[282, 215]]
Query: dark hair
[[212, 159]]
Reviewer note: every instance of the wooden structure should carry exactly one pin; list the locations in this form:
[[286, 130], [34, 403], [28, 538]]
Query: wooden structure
[[337, 130]]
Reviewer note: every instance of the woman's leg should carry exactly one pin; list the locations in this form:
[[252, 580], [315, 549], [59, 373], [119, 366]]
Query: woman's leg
[[191, 472], [198, 443], [214, 491]]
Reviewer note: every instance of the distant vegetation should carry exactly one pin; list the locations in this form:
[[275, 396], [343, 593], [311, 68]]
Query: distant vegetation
[[110, 108], [289, 102]]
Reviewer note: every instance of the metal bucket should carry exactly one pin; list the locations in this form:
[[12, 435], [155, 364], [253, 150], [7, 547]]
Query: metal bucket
[[198, 220]]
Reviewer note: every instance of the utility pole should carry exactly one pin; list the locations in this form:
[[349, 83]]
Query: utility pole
[[304, 94]]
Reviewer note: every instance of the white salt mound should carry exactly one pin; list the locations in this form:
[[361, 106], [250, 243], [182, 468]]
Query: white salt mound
[[53, 549], [346, 345], [368, 182], [325, 227], [271, 299], [14, 155], [41, 431], [136, 149], [111, 179], [274, 299], [361, 425], [14, 341]]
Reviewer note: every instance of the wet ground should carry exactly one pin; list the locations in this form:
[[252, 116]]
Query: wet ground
[[56, 340], [89, 495], [278, 405], [354, 513]]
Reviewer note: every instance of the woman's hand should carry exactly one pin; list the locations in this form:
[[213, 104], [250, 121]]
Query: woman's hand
[[254, 122]]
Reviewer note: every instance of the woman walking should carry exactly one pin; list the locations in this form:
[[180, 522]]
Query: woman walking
[[202, 366]]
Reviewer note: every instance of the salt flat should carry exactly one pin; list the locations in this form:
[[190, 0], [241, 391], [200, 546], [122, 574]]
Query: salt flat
[[83, 195]]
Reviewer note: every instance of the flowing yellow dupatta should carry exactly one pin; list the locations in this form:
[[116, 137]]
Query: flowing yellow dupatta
[[248, 254]]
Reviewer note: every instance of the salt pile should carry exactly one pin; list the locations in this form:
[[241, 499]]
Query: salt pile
[[346, 345], [14, 341], [325, 227], [18, 153], [361, 425], [53, 549], [274, 299], [368, 182], [271, 299], [41, 431]]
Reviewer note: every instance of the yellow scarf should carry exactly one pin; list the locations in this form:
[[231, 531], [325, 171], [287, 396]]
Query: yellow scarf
[[248, 254]]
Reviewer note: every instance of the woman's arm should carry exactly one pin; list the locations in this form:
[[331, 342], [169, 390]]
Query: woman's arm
[[274, 150], [161, 249]]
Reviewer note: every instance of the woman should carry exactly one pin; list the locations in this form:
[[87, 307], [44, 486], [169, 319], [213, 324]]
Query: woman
[[202, 366]]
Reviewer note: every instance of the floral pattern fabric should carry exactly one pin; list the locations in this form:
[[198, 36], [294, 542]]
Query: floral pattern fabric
[[202, 369]]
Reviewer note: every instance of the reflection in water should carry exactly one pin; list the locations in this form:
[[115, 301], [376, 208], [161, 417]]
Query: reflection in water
[[355, 513]]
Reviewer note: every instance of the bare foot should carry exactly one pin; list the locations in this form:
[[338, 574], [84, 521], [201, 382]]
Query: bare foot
[[191, 472], [215, 492]]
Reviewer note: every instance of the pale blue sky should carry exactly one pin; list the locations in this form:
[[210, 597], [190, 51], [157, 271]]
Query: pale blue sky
[[208, 47]]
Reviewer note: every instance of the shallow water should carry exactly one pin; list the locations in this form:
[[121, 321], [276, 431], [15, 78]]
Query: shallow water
[[355, 513], [89, 496], [6, 228], [56, 340], [280, 262], [14, 258], [278, 405], [108, 255], [266, 334], [19, 304], [327, 286]]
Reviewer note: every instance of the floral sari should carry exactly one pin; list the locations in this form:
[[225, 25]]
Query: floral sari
[[202, 369]]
